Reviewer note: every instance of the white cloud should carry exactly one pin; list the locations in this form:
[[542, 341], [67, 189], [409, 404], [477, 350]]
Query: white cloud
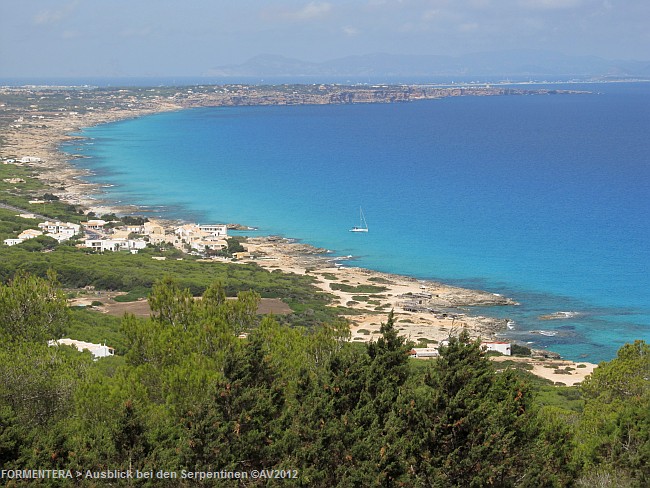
[[54, 16], [351, 31], [45, 17], [312, 10]]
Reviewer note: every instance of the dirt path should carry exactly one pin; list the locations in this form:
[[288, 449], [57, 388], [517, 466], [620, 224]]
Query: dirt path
[[140, 308]]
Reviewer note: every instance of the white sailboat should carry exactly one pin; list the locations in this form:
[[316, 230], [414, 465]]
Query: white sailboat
[[363, 225]]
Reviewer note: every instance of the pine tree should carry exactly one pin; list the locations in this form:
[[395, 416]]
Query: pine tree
[[239, 428], [32, 309], [614, 433], [466, 426]]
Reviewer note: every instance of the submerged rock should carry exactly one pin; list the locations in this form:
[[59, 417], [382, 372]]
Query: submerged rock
[[558, 316]]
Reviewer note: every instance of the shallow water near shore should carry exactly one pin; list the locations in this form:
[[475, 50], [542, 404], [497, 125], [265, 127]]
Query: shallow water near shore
[[545, 199]]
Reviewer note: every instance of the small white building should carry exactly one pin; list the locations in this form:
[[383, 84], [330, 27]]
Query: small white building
[[97, 350], [194, 231], [424, 352], [12, 242], [64, 228], [153, 228], [22, 237], [135, 244], [101, 245], [214, 245], [112, 245], [216, 230], [60, 237], [135, 229], [94, 224], [29, 234], [495, 346], [188, 232]]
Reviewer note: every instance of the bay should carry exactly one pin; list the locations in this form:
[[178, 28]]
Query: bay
[[541, 198]]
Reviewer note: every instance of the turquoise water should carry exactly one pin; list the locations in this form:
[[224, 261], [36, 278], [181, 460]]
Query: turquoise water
[[542, 198]]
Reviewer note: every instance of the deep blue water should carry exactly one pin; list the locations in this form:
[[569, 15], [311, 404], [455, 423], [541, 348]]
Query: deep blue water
[[542, 198]]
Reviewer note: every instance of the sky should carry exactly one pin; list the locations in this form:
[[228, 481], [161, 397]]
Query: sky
[[71, 38]]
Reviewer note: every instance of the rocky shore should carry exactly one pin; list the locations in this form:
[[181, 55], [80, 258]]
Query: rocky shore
[[365, 296]]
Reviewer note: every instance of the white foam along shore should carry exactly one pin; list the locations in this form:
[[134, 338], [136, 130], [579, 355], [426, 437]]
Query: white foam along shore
[[368, 310]]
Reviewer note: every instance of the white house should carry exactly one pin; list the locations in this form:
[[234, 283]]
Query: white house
[[153, 228], [188, 232], [29, 159], [60, 237], [12, 242], [135, 244], [136, 229], [57, 227], [94, 224], [212, 244], [424, 352], [102, 245], [97, 350], [22, 237], [495, 346], [216, 230], [29, 234], [112, 245]]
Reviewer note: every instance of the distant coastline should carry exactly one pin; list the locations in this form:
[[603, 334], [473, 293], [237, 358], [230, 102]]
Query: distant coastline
[[38, 130]]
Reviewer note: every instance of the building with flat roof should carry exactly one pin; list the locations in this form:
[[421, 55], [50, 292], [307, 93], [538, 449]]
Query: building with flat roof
[[496, 346], [97, 350]]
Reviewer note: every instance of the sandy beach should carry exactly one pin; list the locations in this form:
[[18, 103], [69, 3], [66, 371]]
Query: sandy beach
[[365, 296], [43, 141]]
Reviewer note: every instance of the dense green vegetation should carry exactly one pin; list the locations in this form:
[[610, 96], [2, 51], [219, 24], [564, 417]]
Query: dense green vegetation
[[189, 391], [358, 288], [77, 268]]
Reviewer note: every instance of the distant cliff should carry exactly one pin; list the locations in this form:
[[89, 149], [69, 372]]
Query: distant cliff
[[323, 94]]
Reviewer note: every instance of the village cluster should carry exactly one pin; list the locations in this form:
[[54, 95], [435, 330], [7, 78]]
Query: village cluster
[[100, 236]]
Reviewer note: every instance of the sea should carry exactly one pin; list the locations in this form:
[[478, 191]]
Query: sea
[[541, 198]]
